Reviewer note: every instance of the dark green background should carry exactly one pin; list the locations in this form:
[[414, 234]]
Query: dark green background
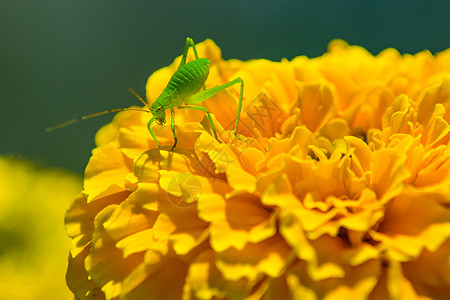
[[60, 59]]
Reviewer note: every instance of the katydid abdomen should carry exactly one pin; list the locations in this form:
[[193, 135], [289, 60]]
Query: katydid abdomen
[[185, 82]]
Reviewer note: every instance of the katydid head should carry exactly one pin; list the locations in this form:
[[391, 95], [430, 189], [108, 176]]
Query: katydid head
[[159, 113]]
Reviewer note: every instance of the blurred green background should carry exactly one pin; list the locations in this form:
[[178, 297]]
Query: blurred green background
[[61, 59]]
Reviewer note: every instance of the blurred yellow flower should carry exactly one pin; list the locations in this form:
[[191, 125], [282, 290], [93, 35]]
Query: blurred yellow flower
[[33, 244], [338, 187]]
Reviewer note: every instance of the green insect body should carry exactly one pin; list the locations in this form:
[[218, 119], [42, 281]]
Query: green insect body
[[183, 91], [185, 82], [188, 79]]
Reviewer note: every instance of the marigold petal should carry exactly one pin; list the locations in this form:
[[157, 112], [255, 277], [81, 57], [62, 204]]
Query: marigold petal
[[388, 173], [183, 229], [313, 252], [235, 221], [313, 219], [369, 106], [79, 218], [106, 172], [226, 161], [429, 272], [156, 278], [278, 191], [206, 282], [358, 283], [128, 218], [361, 254], [80, 284], [359, 290], [137, 242], [398, 286], [270, 257], [411, 224], [275, 288], [105, 263], [336, 128], [438, 94]]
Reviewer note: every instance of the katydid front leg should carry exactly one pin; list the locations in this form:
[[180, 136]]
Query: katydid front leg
[[149, 124]]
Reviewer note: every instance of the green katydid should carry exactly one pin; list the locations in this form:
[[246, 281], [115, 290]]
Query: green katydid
[[182, 92]]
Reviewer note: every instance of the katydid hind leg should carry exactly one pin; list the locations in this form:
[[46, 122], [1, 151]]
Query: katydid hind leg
[[241, 92], [206, 94], [189, 43]]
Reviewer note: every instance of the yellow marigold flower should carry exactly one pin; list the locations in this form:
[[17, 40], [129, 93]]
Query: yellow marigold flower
[[33, 244], [338, 187]]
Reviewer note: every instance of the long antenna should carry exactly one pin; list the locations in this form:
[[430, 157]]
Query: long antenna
[[51, 128], [137, 96]]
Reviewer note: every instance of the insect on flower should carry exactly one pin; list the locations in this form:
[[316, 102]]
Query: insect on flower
[[183, 91]]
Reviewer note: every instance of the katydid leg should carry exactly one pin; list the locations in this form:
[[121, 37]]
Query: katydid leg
[[209, 117], [151, 131], [206, 94], [173, 128], [189, 43], [241, 92]]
